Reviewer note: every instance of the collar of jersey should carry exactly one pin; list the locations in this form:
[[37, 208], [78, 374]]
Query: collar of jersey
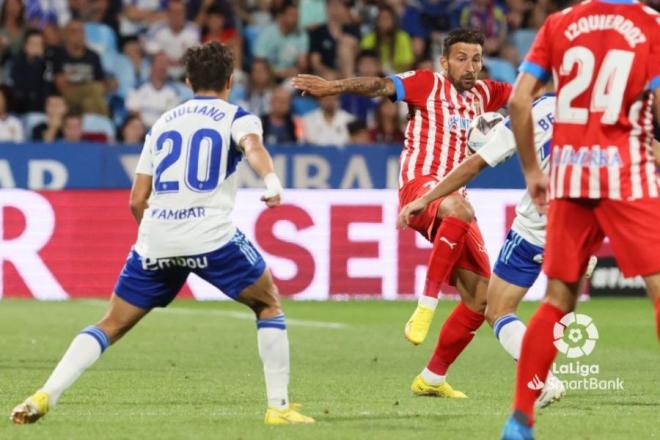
[[204, 97]]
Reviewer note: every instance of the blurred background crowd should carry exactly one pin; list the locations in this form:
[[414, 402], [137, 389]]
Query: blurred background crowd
[[104, 70]]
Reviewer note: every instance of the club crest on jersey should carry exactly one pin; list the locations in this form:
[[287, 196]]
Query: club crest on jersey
[[166, 263], [458, 123]]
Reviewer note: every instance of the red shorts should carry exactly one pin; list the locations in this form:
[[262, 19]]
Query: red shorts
[[474, 257], [577, 227]]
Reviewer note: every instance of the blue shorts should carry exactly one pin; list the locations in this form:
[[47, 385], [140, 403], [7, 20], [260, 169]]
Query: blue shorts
[[155, 282], [519, 261]]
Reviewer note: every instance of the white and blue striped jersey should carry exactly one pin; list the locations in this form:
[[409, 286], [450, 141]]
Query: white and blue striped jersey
[[192, 153], [501, 145]]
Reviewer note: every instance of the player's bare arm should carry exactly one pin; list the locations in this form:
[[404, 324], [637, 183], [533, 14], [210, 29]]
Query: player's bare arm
[[458, 178], [372, 86], [520, 109], [140, 193], [261, 162]]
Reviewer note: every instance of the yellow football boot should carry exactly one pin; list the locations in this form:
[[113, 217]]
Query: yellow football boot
[[418, 325], [31, 410], [288, 416], [420, 388]]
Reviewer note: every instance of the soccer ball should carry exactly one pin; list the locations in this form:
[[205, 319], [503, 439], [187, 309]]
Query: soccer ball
[[481, 128]]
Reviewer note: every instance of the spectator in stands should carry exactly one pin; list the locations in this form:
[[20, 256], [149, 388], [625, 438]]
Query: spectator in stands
[[334, 45], [78, 73], [312, 13], [154, 97], [39, 13], [327, 125], [198, 11], [260, 89], [173, 37], [11, 129], [392, 44], [137, 15], [278, 124], [283, 45], [388, 124], [51, 129], [132, 131], [363, 107], [28, 74], [359, 134], [215, 29], [487, 16], [12, 27], [133, 51], [72, 127]]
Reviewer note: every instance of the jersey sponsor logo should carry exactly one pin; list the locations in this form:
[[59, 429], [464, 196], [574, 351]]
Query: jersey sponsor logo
[[407, 74], [586, 157], [205, 110], [178, 214], [457, 122], [618, 23], [167, 263]]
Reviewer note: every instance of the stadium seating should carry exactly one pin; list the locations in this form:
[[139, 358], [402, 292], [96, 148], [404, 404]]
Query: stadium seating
[[93, 123]]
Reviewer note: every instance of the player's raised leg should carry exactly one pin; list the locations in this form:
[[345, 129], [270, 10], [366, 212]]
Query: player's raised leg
[[84, 351], [263, 298], [455, 215], [455, 334]]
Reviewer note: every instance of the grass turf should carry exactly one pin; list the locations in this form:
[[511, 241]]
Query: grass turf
[[193, 372]]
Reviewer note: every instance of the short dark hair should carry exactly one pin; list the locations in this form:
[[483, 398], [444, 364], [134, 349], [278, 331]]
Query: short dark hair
[[462, 35], [209, 66]]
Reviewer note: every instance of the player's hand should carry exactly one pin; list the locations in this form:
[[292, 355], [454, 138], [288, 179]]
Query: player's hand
[[537, 186], [272, 202], [412, 209], [313, 85]]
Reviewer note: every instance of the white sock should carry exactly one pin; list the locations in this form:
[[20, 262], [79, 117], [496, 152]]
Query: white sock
[[85, 349], [431, 378], [510, 331], [428, 302], [273, 343]]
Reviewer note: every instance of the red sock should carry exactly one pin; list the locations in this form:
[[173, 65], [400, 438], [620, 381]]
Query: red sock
[[456, 333], [447, 248], [536, 356], [657, 317]]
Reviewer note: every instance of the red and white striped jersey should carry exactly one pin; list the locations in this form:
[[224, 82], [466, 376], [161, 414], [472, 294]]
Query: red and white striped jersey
[[438, 120], [605, 60]]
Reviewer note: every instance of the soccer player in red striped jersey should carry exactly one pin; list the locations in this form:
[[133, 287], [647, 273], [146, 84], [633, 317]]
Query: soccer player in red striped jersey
[[441, 107], [605, 60]]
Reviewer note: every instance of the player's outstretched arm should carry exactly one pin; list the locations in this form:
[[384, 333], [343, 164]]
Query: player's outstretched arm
[[371, 86], [140, 193], [457, 178], [520, 109], [261, 162]]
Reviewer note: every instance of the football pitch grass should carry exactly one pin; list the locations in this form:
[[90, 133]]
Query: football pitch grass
[[193, 372]]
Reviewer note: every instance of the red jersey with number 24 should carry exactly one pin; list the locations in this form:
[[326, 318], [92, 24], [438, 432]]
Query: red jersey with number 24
[[604, 57]]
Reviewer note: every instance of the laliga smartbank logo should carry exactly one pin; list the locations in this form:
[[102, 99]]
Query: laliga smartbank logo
[[575, 336]]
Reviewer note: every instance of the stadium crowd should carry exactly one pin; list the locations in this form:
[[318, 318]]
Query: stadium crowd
[[104, 70]]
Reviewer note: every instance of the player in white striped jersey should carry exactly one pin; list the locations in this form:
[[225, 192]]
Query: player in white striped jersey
[[182, 197], [441, 106], [519, 262]]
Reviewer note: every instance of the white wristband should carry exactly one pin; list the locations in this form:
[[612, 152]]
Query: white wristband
[[273, 186]]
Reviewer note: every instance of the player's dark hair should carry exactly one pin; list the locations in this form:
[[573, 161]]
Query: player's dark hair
[[462, 35], [209, 66]]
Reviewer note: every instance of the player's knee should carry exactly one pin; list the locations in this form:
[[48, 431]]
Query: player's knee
[[496, 311], [456, 206]]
